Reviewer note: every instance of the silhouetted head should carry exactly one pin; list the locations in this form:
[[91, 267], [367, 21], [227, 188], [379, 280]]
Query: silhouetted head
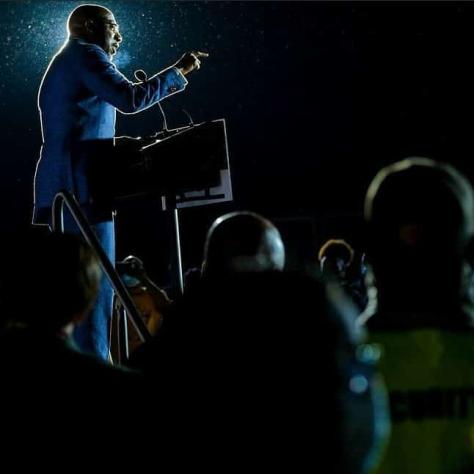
[[95, 24], [242, 241], [49, 281], [335, 256], [420, 217]]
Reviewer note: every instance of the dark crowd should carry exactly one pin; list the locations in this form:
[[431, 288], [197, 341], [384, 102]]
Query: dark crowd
[[360, 362]]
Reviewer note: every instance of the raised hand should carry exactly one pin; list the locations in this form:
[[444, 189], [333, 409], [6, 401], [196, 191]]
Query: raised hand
[[190, 61]]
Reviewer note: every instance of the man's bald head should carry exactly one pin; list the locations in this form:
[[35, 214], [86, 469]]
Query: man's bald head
[[80, 18], [242, 241], [95, 24]]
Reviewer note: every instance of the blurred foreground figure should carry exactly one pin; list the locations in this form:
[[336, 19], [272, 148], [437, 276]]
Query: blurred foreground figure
[[151, 301], [48, 286], [273, 366], [420, 216]]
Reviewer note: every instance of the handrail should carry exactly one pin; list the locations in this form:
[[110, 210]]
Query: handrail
[[65, 197]]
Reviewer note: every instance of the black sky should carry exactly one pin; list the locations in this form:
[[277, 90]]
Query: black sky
[[317, 96]]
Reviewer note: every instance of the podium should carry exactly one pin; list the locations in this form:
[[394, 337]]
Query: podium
[[187, 167], [191, 163]]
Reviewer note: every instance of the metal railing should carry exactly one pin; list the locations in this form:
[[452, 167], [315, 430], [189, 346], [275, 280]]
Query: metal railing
[[65, 197]]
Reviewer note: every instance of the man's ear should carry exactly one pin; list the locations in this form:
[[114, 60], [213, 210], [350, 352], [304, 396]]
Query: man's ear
[[90, 26]]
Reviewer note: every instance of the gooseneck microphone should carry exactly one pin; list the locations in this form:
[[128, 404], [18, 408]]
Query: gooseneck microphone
[[141, 75]]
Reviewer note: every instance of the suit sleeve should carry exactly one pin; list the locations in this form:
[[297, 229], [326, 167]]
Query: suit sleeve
[[103, 79]]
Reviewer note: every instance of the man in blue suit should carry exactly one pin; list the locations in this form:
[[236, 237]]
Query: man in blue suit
[[78, 98]]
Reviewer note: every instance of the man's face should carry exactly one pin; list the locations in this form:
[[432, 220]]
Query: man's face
[[107, 34]]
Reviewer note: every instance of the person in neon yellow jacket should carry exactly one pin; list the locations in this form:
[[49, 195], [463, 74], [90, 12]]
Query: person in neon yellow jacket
[[420, 217]]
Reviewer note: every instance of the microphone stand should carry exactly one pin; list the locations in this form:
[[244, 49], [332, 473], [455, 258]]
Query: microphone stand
[[168, 202]]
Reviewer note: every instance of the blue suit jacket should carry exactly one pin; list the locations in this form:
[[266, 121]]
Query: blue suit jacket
[[78, 98]]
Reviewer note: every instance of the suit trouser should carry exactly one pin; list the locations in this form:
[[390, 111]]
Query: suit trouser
[[92, 335]]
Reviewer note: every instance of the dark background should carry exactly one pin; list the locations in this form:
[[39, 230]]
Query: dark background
[[317, 97]]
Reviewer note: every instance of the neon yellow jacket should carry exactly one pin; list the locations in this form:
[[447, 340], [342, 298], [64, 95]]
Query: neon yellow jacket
[[430, 378]]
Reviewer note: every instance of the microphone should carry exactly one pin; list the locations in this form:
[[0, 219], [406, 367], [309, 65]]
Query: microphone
[[142, 76]]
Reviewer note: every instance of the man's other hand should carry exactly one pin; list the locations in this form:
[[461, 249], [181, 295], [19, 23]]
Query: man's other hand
[[190, 61]]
